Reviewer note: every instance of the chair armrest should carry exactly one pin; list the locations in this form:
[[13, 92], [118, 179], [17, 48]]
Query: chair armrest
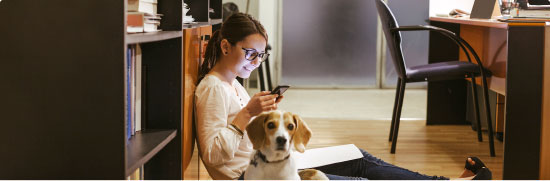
[[457, 39], [423, 27]]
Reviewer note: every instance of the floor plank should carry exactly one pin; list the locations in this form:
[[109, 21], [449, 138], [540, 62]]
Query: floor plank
[[432, 150]]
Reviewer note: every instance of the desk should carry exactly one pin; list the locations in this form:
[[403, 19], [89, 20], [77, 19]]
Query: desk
[[515, 54]]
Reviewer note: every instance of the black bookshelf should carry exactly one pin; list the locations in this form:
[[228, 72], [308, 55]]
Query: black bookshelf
[[63, 69], [63, 111]]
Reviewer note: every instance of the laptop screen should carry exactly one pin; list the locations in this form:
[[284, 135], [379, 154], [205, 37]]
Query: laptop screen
[[483, 9]]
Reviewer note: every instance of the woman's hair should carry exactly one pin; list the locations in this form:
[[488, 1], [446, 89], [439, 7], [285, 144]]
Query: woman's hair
[[236, 28]]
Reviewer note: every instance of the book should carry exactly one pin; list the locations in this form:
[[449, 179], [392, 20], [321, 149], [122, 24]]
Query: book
[[133, 90], [138, 22], [530, 13], [144, 6], [134, 22], [525, 20], [137, 112], [128, 104]]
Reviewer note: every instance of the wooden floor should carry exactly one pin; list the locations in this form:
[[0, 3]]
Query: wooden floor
[[432, 150]]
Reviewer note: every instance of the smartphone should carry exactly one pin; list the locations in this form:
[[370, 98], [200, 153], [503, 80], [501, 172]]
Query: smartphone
[[280, 89]]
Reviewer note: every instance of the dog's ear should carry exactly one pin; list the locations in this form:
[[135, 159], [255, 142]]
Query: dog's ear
[[302, 134], [256, 132]]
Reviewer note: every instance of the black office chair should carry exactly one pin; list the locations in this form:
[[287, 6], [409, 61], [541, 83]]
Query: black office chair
[[431, 72]]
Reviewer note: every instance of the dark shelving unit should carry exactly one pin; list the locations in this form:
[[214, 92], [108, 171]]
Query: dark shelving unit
[[63, 69], [144, 145], [63, 63]]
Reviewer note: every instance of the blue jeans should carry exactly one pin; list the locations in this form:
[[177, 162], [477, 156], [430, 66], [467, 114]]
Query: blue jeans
[[370, 167]]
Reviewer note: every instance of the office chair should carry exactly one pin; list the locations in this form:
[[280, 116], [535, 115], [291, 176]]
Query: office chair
[[431, 72]]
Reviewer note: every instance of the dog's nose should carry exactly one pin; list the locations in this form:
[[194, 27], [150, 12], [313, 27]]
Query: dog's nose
[[281, 140]]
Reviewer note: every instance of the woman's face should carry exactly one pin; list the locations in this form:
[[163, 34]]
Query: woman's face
[[238, 64]]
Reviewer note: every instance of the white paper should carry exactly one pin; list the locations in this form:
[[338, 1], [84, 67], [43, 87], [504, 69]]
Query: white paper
[[324, 156]]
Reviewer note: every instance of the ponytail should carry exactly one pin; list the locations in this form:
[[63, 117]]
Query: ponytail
[[212, 54]]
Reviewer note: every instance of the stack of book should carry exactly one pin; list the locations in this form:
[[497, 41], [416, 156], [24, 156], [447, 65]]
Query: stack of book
[[531, 13], [142, 16]]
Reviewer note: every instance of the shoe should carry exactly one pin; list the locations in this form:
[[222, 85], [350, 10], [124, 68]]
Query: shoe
[[483, 174], [474, 168]]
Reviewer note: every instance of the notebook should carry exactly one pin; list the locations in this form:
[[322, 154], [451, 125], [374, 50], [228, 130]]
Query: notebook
[[328, 155]]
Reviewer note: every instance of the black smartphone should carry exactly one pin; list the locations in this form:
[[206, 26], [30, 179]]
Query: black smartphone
[[280, 89]]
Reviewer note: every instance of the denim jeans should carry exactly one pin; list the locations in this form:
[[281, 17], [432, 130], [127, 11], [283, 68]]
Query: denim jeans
[[370, 167]]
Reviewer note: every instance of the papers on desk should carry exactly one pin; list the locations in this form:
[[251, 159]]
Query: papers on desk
[[324, 156]]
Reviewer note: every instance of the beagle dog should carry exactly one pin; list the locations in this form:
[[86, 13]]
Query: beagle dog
[[274, 136]]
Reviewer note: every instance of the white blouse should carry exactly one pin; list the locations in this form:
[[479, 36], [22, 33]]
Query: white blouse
[[224, 150]]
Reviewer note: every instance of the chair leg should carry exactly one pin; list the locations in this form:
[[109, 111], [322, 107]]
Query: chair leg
[[488, 113], [268, 74], [397, 90], [261, 76], [398, 115], [476, 108]]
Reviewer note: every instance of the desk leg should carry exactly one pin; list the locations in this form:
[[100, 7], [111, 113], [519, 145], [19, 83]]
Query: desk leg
[[523, 102]]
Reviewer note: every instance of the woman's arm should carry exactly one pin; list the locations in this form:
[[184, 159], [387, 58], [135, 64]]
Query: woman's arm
[[218, 140]]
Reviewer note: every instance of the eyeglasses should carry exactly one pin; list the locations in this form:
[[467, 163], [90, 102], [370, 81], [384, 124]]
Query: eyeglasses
[[251, 54]]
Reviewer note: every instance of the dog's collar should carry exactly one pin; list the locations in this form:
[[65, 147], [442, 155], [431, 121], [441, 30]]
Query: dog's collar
[[264, 159]]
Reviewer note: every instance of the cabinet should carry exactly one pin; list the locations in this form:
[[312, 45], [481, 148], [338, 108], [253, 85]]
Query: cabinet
[[63, 69], [195, 41]]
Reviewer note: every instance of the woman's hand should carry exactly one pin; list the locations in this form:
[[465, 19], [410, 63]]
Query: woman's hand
[[261, 102]]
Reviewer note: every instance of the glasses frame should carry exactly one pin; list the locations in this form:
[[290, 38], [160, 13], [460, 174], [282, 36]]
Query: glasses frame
[[248, 55]]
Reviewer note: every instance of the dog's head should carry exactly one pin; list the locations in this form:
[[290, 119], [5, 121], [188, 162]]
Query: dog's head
[[277, 130]]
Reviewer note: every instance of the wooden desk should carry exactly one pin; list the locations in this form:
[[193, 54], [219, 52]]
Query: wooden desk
[[515, 54]]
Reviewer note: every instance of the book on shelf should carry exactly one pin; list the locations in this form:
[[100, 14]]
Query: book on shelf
[[138, 22], [128, 104], [144, 6], [137, 112], [137, 175], [133, 90]]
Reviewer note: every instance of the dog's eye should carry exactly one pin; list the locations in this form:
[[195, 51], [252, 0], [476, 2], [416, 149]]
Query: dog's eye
[[290, 127], [270, 125]]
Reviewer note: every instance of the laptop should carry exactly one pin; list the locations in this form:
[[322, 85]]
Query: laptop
[[483, 9]]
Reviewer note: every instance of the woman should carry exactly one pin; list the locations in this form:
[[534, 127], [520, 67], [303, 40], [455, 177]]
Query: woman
[[223, 109]]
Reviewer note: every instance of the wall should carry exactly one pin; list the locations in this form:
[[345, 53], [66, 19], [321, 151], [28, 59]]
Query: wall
[[267, 11], [445, 6]]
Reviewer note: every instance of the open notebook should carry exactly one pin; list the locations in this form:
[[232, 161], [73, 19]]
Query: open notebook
[[328, 155]]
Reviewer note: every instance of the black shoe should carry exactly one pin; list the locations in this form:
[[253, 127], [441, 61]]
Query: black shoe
[[483, 174], [476, 167]]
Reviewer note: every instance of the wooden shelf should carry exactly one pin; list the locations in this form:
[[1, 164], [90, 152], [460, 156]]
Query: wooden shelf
[[199, 24], [144, 145], [151, 37], [216, 21]]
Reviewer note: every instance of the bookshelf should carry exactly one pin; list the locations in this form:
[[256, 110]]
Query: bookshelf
[[63, 65]]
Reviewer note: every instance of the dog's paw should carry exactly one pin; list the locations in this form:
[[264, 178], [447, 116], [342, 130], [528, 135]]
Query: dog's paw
[[312, 174]]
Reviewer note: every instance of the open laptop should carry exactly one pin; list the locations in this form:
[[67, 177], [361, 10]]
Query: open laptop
[[534, 4], [483, 9]]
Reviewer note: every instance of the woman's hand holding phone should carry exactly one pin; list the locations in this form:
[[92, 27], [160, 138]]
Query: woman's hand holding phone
[[261, 102]]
